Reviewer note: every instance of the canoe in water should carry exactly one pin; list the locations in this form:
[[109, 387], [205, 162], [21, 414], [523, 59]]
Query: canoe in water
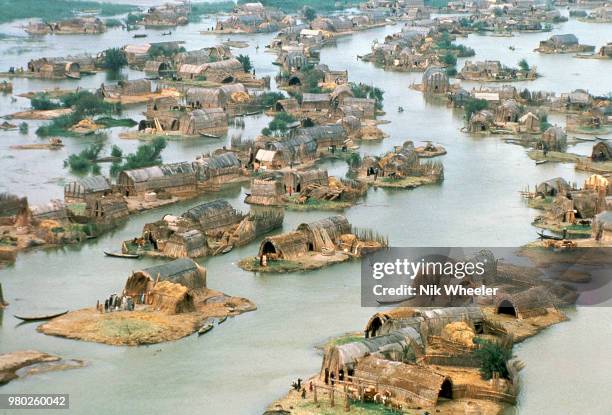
[[121, 255], [41, 317], [205, 329]]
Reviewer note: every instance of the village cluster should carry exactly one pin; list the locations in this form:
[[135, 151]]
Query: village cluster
[[420, 356]]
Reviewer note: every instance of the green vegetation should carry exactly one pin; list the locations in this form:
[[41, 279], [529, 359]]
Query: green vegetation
[[116, 151], [279, 125], [362, 90], [48, 10], [113, 23], [84, 104], [42, 102], [245, 60], [473, 105], [269, 99], [201, 9], [493, 358], [436, 3], [309, 13], [164, 50], [449, 59], [445, 42], [109, 122], [146, 155], [23, 128], [85, 161], [114, 59], [523, 65], [292, 6]]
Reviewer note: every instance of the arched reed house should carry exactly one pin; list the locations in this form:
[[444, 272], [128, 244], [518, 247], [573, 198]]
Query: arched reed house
[[265, 192], [435, 81], [217, 169], [296, 181], [321, 233], [177, 179], [524, 304], [340, 361], [85, 188], [169, 287]]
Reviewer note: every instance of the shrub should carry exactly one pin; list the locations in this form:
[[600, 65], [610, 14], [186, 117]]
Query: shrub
[[523, 65], [493, 358], [23, 128], [41, 101], [309, 13], [245, 60], [367, 91], [473, 105], [146, 155], [85, 161], [449, 59], [114, 59]]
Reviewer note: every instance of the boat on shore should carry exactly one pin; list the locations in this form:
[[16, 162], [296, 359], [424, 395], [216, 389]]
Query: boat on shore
[[40, 317], [205, 329], [121, 255]]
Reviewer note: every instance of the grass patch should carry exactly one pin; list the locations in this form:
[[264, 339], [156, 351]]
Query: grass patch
[[540, 202], [56, 9], [201, 9], [109, 122], [316, 204], [122, 328]]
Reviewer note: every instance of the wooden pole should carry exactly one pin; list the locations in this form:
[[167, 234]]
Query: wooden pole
[[2, 302], [332, 397], [347, 404], [315, 393]]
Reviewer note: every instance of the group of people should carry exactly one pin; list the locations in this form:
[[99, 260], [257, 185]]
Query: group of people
[[117, 303]]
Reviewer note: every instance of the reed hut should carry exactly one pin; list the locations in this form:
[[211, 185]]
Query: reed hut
[[221, 97], [296, 181], [602, 227], [587, 203], [177, 179], [265, 192], [133, 87], [336, 77], [155, 69], [290, 105], [411, 384], [529, 123], [362, 108], [598, 183], [11, 207], [508, 111], [147, 285], [554, 139], [435, 81], [270, 159], [188, 244], [529, 303], [203, 121], [286, 246], [602, 151], [326, 137], [297, 147], [218, 168], [427, 322], [342, 360], [222, 71], [315, 102], [324, 233], [213, 215], [54, 209], [553, 187], [481, 121], [106, 211], [91, 187], [339, 94]]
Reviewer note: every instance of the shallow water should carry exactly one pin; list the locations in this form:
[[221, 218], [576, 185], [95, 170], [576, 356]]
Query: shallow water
[[250, 360]]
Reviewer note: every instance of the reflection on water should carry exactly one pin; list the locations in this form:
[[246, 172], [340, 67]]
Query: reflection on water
[[256, 355]]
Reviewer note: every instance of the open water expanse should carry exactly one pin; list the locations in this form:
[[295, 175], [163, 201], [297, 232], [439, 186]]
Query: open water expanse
[[243, 365]]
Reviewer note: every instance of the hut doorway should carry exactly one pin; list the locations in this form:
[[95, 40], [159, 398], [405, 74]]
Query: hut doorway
[[506, 307], [341, 375], [175, 125], [227, 80], [446, 390], [268, 248], [307, 122], [294, 81], [326, 378]]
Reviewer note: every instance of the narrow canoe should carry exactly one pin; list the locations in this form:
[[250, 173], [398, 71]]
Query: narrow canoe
[[205, 329], [41, 317], [120, 255]]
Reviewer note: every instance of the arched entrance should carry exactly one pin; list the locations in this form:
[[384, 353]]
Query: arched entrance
[[446, 390], [227, 80], [506, 307], [294, 81], [268, 248]]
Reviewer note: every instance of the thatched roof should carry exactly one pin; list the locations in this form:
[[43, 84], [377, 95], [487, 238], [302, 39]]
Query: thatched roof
[[602, 226], [392, 346], [201, 120], [86, 185], [417, 385], [171, 298], [333, 132], [425, 321], [11, 205], [553, 187], [148, 173], [602, 151], [212, 215], [286, 246], [320, 231], [184, 271], [529, 303], [266, 192]]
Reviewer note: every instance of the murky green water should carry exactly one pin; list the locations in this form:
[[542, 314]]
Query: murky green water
[[245, 364]]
